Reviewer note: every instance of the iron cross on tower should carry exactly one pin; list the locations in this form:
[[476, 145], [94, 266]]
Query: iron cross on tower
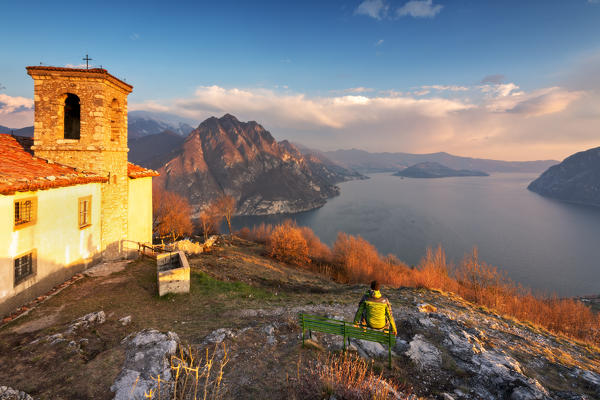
[[87, 59]]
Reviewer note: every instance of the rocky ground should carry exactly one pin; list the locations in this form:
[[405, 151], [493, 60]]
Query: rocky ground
[[108, 334]]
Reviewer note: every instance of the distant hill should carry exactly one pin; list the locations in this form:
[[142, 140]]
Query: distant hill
[[576, 179], [27, 131], [242, 159], [365, 162], [321, 164], [436, 170]]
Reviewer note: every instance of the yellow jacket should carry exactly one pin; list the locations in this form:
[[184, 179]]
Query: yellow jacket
[[378, 311]]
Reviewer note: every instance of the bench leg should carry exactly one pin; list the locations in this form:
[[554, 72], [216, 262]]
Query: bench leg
[[390, 356], [302, 336], [344, 343]]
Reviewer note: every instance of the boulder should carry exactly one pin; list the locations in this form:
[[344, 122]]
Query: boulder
[[424, 354], [8, 393], [146, 357]]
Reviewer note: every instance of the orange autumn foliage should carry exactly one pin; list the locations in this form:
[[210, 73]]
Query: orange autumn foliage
[[171, 213], [354, 260]]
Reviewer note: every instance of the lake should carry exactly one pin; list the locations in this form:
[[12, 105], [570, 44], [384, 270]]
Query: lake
[[541, 243]]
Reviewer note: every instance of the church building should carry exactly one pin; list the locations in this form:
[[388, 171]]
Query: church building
[[69, 198]]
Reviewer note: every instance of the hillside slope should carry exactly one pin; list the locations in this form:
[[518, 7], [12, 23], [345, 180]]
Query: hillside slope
[[576, 179], [447, 348]]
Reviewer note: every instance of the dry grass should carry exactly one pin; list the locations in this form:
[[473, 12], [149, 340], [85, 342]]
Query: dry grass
[[354, 260], [340, 376], [194, 377]]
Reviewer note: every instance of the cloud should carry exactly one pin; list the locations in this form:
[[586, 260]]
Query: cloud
[[359, 89], [285, 110], [495, 79], [379, 43], [419, 9], [134, 36], [421, 92], [494, 120], [500, 90], [15, 112], [377, 9], [540, 102], [452, 88]]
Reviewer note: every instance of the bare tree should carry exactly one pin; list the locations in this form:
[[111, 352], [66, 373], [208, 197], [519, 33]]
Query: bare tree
[[209, 219], [172, 214], [226, 206]]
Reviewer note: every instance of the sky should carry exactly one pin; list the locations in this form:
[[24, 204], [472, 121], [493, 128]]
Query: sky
[[512, 80]]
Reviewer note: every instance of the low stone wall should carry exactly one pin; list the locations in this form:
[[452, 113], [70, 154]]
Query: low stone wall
[[173, 273]]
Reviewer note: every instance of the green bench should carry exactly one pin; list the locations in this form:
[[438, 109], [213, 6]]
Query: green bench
[[347, 330]]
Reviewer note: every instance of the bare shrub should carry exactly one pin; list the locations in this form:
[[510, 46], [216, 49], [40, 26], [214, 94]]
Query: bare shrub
[[317, 250], [261, 233], [343, 377], [434, 271], [355, 260], [210, 217], [226, 207], [244, 233], [287, 244], [357, 257]]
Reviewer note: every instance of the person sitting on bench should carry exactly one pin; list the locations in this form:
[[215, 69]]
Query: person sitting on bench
[[376, 309]]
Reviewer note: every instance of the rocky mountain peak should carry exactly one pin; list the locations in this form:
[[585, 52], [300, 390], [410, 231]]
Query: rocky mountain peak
[[225, 155]]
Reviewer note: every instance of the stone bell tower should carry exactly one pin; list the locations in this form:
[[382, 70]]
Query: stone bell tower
[[81, 121]]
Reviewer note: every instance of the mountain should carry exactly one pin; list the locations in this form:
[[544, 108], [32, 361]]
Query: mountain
[[139, 124], [153, 151], [27, 131], [436, 170], [242, 159], [576, 179], [321, 165], [144, 123], [365, 162]]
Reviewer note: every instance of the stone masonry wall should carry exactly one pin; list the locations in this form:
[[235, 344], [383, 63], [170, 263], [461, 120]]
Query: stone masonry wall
[[102, 147]]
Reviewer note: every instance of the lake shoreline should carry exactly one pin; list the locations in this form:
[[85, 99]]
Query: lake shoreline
[[541, 243]]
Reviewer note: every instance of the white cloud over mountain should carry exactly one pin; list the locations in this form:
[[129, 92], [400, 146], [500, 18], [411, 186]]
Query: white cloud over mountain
[[492, 120], [495, 119]]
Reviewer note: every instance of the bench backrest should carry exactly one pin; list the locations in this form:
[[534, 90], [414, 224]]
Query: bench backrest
[[346, 329]]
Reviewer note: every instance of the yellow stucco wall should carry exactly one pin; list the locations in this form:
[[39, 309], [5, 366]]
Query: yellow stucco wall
[[139, 224], [61, 247]]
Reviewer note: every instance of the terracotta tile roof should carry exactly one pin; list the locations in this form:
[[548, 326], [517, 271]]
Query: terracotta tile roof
[[20, 171], [135, 171]]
